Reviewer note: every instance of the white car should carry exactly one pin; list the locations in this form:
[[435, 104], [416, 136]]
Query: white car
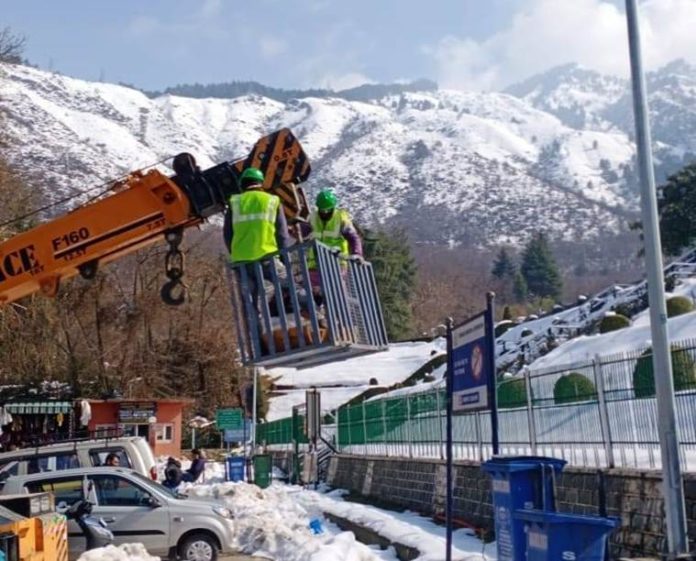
[[133, 452], [137, 510]]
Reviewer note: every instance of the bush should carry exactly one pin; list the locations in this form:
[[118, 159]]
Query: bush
[[624, 310], [573, 387], [613, 323], [512, 393], [678, 305], [683, 373], [502, 327]]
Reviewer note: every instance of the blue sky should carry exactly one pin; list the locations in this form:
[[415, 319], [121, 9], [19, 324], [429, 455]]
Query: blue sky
[[467, 44]]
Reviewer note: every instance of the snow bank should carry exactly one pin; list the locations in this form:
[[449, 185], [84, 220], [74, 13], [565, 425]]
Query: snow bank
[[406, 528], [126, 552], [634, 338], [270, 523]]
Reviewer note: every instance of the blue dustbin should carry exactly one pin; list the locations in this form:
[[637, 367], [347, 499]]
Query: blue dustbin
[[235, 468], [519, 482], [568, 537]]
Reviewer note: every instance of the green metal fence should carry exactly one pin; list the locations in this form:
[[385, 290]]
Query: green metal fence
[[282, 432]]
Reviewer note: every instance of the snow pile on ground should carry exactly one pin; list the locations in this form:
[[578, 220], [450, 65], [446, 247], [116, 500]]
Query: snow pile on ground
[[633, 338], [126, 552], [406, 528], [270, 523]]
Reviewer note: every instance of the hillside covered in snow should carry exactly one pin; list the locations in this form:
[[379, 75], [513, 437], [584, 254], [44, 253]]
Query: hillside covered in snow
[[454, 167]]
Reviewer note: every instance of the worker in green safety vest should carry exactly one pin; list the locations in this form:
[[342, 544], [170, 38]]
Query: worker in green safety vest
[[333, 227], [254, 229]]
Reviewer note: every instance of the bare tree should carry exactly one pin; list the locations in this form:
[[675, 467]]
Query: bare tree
[[11, 46]]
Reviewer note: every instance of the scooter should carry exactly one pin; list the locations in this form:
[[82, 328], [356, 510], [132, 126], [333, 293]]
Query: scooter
[[94, 529]]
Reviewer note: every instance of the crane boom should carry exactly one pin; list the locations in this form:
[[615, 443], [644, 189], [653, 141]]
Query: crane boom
[[142, 209]]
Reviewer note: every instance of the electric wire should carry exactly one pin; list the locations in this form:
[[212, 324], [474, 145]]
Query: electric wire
[[108, 184]]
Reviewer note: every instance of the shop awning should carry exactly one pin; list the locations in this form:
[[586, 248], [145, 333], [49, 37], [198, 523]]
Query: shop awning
[[39, 407]]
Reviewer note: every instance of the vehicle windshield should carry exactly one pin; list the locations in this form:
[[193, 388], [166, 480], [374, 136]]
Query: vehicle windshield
[[158, 486]]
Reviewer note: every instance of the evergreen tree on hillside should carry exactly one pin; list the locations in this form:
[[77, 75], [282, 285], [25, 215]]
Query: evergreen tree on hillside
[[519, 287], [539, 268], [504, 266], [677, 208], [395, 273]]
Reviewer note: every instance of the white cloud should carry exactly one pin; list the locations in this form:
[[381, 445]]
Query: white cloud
[[344, 81], [547, 33], [272, 46]]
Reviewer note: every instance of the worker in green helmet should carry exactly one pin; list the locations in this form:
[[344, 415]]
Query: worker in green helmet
[[254, 229], [255, 224], [332, 226]]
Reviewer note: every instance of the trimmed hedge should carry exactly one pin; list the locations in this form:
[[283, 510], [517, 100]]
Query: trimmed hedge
[[512, 392], [573, 387], [678, 305], [683, 373], [613, 323]]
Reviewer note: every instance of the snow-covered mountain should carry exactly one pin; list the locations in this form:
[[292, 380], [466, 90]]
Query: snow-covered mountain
[[452, 166]]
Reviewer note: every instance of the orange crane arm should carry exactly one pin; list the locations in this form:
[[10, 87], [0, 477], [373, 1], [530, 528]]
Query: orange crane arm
[[143, 209]]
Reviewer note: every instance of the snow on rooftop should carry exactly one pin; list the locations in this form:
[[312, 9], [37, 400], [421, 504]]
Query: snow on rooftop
[[353, 375], [390, 366]]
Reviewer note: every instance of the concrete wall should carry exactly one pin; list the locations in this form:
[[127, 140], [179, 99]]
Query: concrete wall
[[419, 485]]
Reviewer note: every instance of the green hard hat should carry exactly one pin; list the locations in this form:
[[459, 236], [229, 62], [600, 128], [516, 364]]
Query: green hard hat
[[254, 174], [326, 200]]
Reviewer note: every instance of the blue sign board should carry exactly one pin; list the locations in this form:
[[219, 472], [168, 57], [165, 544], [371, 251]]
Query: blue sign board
[[238, 435], [472, 374]]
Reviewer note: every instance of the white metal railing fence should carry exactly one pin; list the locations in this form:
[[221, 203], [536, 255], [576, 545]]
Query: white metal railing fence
[[601, 413]]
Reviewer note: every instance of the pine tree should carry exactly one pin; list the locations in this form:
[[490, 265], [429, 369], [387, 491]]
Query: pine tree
[[677, 206], [539, 268], [519, 287], [503, 266], [395, 273]]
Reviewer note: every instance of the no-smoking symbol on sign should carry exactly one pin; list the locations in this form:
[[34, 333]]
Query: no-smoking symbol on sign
[[476, 362]]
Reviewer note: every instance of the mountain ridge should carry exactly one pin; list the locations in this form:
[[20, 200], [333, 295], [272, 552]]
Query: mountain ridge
[[450, 167]]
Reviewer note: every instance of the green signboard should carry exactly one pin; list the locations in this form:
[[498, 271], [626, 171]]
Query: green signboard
[[230, 419]]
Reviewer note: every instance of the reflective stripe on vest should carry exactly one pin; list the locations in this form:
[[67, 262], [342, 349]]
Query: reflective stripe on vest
[[253, 225], [329, 233]]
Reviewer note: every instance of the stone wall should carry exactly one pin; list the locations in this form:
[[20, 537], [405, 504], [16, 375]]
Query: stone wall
[[419, 485]]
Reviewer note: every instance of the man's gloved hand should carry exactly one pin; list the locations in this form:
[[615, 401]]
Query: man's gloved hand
[[358, 258]]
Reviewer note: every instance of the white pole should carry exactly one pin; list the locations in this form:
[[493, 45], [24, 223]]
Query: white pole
[[675, 508]]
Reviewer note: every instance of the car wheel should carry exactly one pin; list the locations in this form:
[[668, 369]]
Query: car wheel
[[198, 547]]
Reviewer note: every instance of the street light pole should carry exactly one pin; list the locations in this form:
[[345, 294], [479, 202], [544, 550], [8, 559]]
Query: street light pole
[[129, 393], [675, 508]]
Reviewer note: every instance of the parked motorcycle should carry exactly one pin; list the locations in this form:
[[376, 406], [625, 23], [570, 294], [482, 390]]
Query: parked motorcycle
[[94, 529]]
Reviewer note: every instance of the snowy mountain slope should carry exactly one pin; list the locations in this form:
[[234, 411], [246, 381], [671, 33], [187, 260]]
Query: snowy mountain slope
[[584, 99], [453, 167]]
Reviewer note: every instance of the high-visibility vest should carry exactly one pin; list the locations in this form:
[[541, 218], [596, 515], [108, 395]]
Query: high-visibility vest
[[253, 225], [329, 232]]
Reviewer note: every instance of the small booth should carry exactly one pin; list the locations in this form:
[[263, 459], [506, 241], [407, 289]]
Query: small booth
[[305, 306], [157, 420]]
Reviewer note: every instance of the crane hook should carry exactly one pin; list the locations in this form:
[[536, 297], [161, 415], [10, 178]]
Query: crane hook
[[173, 292]]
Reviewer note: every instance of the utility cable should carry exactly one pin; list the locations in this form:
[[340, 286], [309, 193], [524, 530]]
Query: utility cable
[[109, 183]]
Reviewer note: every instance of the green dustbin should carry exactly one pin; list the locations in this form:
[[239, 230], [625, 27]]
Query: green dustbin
[[262, 470]]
